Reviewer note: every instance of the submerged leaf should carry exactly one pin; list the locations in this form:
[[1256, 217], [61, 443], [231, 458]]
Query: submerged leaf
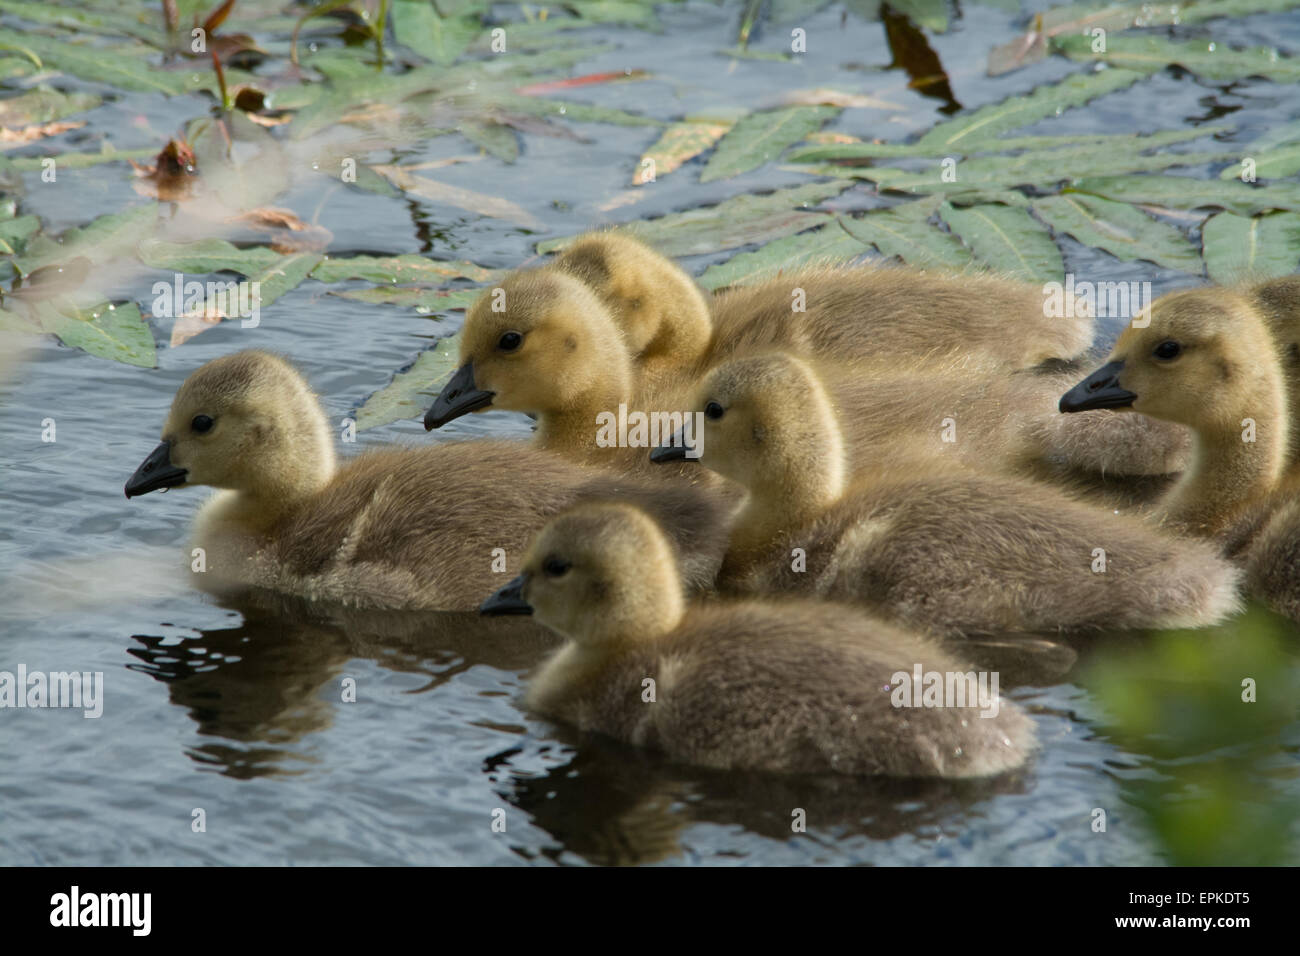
[[481, 203], [423, 300], [1261, 247]]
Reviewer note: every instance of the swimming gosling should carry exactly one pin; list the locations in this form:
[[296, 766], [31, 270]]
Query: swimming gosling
[[794, 687], [423, 528]]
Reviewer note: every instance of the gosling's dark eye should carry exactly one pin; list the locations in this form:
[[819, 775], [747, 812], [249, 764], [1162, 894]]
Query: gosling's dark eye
[[1167, 350], [556, 567], [510, 341], [713, 410], [201, 423]]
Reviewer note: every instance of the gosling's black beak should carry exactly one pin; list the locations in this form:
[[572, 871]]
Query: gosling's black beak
[[1099, 390], [156, 471], [674, 451], [509, 600], [459, 397]]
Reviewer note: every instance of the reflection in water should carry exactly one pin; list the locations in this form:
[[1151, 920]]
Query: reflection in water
[[613, 804], [263, 684]]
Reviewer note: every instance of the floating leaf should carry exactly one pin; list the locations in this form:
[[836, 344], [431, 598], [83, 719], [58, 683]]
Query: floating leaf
[[907, 233], [394, 269], [1022, 51], [990, 122], [411, 392], [931, 15], [425, 301], [111, 332], [828, 244], [1127, 141], [824, 96], [441, 39], [1276, 154], [43, 105], [16, 232], [121, 67], [105, 238], [738, 221], [206, 255], [481, 203], [577, 112], [1122, 230], [1034, 168], [1205, 58], [499, 141], [27, 164], [1262, 247], [284, 276], [1007, 239], [88, 21], [1182, 192], [679, 143], [761, 137]]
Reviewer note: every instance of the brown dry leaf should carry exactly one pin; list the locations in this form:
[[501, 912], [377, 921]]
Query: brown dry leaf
[[481, 203], [270, 119], [622, 199], [288, 233], [826, 138], [190, 324], [13, 138], [828, 97]]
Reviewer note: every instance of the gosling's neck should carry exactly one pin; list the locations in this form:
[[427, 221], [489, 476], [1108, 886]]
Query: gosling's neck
[[793, 497], [1228, 471], [574, 426]]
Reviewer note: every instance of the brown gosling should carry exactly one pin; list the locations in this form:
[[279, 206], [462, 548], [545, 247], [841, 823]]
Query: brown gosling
[[954, 552], [789, 687], [397, 528]]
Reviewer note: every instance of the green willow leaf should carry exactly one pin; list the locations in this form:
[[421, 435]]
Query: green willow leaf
[[1205, 58], [102, 239], [495, 139], [404, 268], [1237, 248], [1035, 168], [907, 234], [827, 244], [990, 122], [1122, 230], [1008, 239], [1276, 154], [760, 137], [735, 222], [206, 255], [1183, 192], [411, 392], [1128, 141], [113, 332], [424, 301]]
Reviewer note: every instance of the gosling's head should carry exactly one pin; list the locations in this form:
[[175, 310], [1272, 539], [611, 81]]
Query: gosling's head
[[767, 424], [600, 574], [246, 422], [540, 342], [1200, 361], [659, 308]]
